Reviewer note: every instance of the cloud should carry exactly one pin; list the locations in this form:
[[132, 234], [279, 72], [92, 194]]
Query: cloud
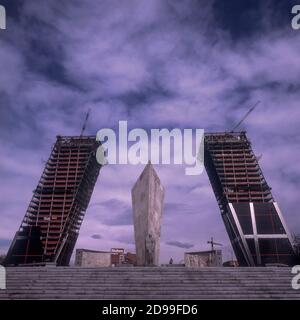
[[186, 64], [180, 244], [96, 236], [171, 208], [113, 212]]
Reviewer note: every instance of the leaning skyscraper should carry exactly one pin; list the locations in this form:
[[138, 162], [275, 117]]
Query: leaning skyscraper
[[253, 220], [50, 228]]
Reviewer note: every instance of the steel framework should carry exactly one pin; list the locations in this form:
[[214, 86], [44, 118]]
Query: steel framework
[[50, 228]]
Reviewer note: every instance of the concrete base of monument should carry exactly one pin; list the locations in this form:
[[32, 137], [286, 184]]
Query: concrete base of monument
[[149, 283]]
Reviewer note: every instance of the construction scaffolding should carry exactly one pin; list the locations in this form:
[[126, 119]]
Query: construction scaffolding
[[252, 218], [50, 228]]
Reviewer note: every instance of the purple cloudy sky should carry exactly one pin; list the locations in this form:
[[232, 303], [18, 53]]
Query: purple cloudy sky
[[187, 64]]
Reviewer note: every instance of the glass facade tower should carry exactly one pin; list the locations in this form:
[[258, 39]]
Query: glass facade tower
[[253, 220]]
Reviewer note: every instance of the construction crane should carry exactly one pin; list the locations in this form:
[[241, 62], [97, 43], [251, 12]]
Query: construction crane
[[85, 122], [245, 116], [212, 243]]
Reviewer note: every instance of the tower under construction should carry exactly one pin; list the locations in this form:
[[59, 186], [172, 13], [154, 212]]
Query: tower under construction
[[253, 220], [50, 228]]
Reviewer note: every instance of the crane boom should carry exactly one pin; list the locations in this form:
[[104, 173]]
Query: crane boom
[[85, 122], [245, 116], [212, 243]]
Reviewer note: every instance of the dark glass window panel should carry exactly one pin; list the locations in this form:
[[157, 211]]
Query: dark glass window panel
[[276, 251], [27, 247], [251, 246], [244, 216], [267, 246], [246, 224], [267, 219], [284, 246], [242, 209]]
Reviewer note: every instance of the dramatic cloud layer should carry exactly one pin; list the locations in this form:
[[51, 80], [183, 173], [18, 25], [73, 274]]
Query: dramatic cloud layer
[[187, 64], [180, 244]]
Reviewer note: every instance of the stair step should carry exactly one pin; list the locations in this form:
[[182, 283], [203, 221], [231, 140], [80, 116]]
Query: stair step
[[148, 283]]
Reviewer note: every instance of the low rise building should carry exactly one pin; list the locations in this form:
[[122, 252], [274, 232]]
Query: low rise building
[[93, 258], [212, 258]]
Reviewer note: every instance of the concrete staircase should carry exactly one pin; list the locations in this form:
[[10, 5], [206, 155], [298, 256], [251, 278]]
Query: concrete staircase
[[149, 283]]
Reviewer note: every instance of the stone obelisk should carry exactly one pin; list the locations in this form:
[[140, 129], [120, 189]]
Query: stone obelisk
[[147, 202]]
